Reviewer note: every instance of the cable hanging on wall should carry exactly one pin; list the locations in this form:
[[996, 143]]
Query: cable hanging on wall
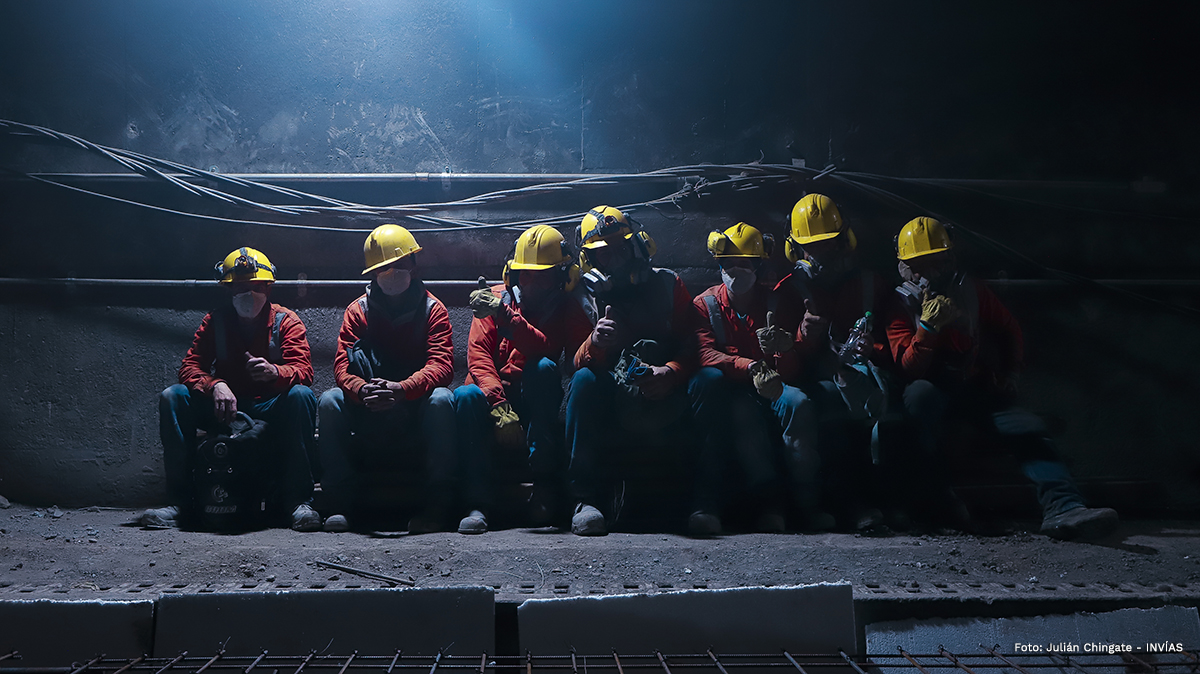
[[698, 181]]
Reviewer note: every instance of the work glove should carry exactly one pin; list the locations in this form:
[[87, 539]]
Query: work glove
[[508, 425], [767, 381], [939, 311], [483, 301], [772, 339]]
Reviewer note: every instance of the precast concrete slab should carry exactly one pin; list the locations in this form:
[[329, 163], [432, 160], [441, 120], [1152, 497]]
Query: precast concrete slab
[[802, 619], [416, 621], [1138, 632], [46, 632]]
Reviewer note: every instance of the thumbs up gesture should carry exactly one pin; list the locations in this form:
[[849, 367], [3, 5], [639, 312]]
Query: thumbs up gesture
[[813, 326], [772, 339], [261, 369], [607, 330], [483, 302]]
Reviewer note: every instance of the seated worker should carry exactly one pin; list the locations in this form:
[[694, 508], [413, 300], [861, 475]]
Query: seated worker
[[960, 351], [518, 335], [738, 423], [630, 385], [248, 356], [391, 408], [831, 347]]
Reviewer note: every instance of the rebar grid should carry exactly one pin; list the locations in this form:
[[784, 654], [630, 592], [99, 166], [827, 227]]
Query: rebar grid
[[1182, 662]]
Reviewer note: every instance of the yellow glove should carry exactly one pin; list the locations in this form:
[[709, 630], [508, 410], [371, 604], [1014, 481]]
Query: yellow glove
[[938, 312], [766, 380], [508, 425], [483, 302], [772, 339]]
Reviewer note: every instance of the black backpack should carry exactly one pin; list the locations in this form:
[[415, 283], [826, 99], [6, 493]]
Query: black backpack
[[227, 475]]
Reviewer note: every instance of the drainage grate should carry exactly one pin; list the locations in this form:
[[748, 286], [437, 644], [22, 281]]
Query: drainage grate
[[1180, 662]]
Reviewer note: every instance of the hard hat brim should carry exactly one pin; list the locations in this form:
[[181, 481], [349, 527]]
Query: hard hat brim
[[602, 242], [924, 253], [385, 263], [815, 237], [530, 266]]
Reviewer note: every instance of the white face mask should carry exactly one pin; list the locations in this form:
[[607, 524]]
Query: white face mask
[[394, 281], [249, 303], [738, 280]]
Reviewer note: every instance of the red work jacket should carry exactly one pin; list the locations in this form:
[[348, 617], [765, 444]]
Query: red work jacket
[[423, 342], [985, 341], [740, 348], [207, 363], [499, 347]]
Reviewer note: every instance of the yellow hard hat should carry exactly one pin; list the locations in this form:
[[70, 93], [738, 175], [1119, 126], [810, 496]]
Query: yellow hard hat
[[539, 247], [601, 224], [922, 236], [245, 264], [386, 244], [816, 218], [739, 241]]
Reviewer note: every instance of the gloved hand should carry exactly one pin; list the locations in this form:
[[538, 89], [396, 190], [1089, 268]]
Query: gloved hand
[[938, 312], [508, 425], [772, 339], [767, 381], [483, 301]]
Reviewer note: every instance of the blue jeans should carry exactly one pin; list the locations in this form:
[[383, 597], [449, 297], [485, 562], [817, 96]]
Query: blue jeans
[[734, 418], [289, 457], [415, 435], [1024, 435], [536, 399], [600, 445]]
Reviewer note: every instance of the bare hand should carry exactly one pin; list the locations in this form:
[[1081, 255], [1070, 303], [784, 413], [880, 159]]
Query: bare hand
[[657, 383], [224, 403], [607, 330], [865, 347], [813, 325], [379, 395], [261, 369]]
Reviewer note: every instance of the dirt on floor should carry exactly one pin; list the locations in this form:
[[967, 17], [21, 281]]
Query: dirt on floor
[[97, 549]]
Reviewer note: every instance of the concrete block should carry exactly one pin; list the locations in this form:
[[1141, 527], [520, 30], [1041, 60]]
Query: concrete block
[[56, 633], [803, 619], [379, 621], [1075, 634]]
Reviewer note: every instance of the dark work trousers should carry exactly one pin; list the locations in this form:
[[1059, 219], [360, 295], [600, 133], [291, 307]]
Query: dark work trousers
[[929, 408], [289, 445], [608, 431], [412, 435], [736, 426], [536, 399]]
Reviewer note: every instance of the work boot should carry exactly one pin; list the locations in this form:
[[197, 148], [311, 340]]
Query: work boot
[[1080, 522], [304, 518], [336, 524], [160, 518], [703, 525], [473, 523], [588, 521]]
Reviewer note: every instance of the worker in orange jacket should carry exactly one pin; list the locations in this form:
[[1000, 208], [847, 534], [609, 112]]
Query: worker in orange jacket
[[831, 346], [513, 391], [629, 388], [391, 407], [248, 356], [960, 352]]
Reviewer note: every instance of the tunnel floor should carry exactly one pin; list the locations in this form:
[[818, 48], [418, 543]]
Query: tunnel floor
[[95, 552]]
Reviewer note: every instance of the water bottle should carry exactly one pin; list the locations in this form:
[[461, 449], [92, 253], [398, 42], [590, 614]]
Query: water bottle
[[861, 329]]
